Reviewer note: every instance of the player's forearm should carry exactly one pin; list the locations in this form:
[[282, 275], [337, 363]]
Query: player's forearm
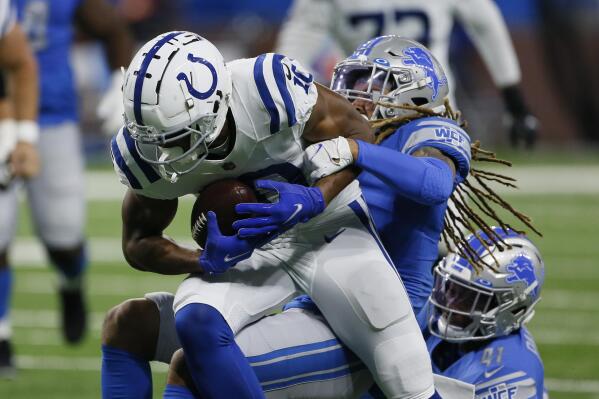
[[160, 255], [332, 185], [25, 94], [424, 180]]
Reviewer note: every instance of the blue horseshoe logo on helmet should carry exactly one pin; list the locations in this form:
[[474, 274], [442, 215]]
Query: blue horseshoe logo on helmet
[[198, 94]]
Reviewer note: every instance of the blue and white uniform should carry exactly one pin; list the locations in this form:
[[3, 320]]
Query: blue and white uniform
[[56, 195], [507, 367], [335, 257], [409, 229]]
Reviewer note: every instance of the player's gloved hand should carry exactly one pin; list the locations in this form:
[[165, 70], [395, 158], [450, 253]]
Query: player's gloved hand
[[297, 204], [223, 252], [24, 160], [110, 110], [326, 157], [523, 129]]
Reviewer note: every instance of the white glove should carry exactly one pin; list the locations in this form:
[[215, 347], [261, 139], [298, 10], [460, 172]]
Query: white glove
[[326, 157], [110, 110]]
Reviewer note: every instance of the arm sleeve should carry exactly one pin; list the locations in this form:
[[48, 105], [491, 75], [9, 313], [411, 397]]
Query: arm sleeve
[[428, 181], [485, 26], [305, 29]]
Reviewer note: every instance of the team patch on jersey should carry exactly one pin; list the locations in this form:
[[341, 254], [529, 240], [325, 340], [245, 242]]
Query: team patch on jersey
[[501, 391], [419, 56]]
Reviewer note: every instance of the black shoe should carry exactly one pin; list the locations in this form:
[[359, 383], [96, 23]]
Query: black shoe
[[74, 315], [7, 365]]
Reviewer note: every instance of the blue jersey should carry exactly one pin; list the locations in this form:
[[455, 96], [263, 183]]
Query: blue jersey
[[506, 368], [411, 231], [49, 27]]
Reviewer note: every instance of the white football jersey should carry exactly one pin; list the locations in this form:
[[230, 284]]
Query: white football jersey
[[271, 102], [7, 17], [352, 22]]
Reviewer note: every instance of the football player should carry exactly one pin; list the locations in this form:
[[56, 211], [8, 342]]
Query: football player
[[408, 210], [351, 22], [477, 319], [56, 195], [18, 155], [191, 120], [476, 332]]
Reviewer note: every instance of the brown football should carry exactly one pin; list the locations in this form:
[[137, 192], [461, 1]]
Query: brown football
[[221, 198]]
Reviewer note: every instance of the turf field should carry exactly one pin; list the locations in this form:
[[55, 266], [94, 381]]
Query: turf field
[[563, 201]]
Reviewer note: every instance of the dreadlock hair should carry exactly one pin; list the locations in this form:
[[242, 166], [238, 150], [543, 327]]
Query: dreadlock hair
[[473, 199]]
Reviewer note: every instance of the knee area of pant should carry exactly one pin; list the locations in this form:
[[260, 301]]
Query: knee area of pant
[[403, 366], [127, 323], [203, 325]]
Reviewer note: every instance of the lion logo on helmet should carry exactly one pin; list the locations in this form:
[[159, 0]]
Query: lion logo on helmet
[[522, 270], [420, 57]]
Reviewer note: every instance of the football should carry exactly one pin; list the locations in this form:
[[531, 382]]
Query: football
[[221, 198]]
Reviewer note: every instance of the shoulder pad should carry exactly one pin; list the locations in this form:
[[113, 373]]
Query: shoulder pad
[[443, 134], [285, 90]]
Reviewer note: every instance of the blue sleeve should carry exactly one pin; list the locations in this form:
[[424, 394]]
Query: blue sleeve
[[428, 181], [442, 134]]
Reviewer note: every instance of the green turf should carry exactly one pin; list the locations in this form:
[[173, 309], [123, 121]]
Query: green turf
[[566, 318]]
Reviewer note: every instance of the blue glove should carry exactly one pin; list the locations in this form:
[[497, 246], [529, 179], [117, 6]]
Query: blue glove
[[297, 204], [223, 252]]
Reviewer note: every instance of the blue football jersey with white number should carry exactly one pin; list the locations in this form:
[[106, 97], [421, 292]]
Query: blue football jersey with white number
[[410, 231], [506, 368], [49, 27]]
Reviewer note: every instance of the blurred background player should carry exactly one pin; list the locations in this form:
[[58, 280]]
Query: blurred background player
[[350, 22], [477, 319], [57, 196], [18, 155]]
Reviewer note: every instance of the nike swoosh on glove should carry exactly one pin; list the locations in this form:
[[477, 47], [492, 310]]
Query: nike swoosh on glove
[[223, 252], [297, 204]]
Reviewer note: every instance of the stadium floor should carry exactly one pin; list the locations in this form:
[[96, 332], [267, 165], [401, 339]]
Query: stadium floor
[[564, 202]]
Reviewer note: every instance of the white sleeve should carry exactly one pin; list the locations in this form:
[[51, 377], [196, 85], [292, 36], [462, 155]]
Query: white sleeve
[[287, 91], [485, 26], [7, 17], [308, 24]]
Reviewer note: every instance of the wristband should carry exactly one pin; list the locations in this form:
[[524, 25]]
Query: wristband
[[28, 131]]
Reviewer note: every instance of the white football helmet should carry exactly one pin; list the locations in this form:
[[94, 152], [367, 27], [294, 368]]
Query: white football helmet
[[176, 95], [466, 305], [392, 69]]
